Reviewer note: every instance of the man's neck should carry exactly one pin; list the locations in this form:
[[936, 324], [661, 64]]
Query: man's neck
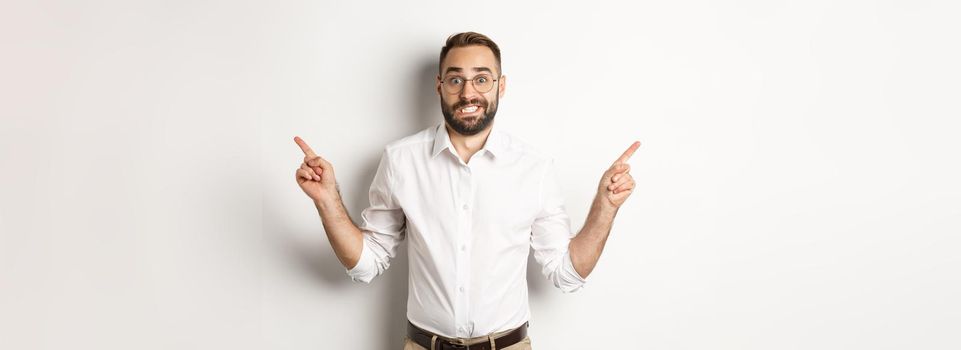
[[466, 146]]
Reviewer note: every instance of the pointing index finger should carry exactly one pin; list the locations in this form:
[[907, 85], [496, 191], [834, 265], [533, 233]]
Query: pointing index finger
[[303, 147], [628, 153]]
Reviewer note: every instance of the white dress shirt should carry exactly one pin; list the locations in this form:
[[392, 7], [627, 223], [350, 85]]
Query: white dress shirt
[[470, 226]]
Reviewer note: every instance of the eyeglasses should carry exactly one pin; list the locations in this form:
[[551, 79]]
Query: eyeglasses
[[455, 84]]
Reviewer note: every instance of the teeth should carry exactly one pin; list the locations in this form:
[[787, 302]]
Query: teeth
[[470, 109]]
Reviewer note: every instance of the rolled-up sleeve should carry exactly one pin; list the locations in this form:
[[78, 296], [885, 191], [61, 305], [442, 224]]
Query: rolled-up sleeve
[[551, 234], [383, 226]]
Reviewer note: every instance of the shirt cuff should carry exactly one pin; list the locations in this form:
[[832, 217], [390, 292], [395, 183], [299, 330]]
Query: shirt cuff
[[570, 280], [365, 270]]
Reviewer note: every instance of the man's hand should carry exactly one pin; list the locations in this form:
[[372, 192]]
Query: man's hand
[[316, 176], [617, 183]]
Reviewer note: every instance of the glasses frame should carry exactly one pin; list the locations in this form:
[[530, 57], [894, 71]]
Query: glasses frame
[[471, 80]]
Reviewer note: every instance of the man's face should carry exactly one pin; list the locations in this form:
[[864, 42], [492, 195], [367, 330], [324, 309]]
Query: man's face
[[469, 111]]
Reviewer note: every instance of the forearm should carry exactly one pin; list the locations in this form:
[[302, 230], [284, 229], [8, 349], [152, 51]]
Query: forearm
[[586, 247], [345, 238]]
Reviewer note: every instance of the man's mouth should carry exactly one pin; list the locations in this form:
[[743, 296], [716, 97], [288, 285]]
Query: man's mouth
[[468, 109]]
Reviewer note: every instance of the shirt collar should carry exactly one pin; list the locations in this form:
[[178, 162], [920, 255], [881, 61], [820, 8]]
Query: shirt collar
[[496, 143]]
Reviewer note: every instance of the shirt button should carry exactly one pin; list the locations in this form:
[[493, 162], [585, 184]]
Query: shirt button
[[465, 206], [463, 248], [462, 289]]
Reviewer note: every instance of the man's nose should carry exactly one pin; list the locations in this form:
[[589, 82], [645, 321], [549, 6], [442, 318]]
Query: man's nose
[[469, 91]]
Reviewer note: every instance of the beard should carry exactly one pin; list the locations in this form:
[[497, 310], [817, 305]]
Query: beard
[[472, 125]]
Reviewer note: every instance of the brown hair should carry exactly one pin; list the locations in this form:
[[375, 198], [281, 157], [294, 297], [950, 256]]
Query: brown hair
[[469, 39]]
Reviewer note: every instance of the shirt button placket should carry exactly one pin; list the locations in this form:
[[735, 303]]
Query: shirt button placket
[[463, 259]]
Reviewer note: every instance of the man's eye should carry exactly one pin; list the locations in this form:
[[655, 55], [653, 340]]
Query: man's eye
[[456, 81], [482, 80]]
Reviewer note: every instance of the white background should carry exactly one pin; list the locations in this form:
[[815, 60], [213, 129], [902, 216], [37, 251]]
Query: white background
[[797, 184]]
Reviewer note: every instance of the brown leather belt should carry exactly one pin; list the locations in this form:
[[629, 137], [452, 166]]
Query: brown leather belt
[[423, 338]]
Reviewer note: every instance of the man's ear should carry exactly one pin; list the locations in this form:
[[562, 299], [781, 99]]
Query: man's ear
[[503, 85]]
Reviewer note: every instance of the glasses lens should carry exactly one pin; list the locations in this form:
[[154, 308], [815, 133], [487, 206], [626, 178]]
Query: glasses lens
[[453, 85], [483, 83]]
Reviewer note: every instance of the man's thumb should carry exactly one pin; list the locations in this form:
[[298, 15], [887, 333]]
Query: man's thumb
[[317, 161], [618, 168]]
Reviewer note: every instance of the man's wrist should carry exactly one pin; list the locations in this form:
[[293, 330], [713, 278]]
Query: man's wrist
[[328, 204], [604, 206]]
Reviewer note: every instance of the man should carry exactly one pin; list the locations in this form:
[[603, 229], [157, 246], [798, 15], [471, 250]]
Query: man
[[471, 199]]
